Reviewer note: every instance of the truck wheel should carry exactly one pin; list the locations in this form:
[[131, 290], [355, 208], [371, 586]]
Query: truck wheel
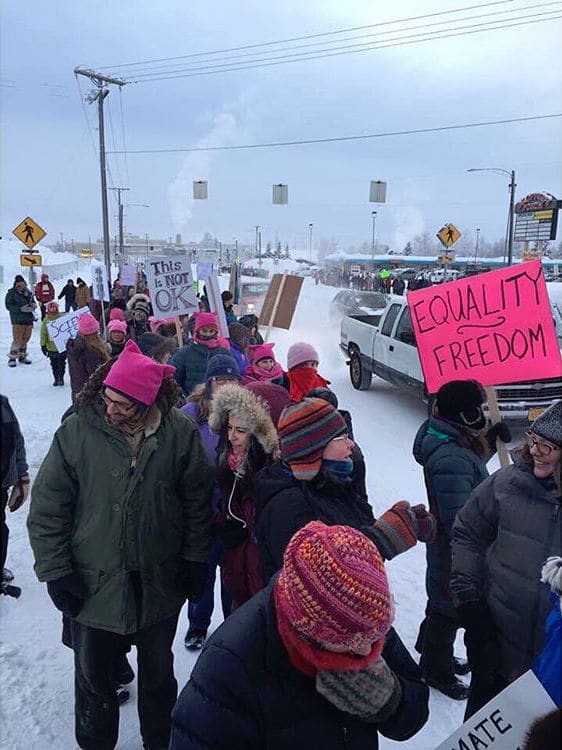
[[360, 377]]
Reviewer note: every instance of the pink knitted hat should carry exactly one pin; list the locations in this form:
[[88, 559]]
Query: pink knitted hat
[[87, 324], [116, 314], [299, 353], [137, 376], [260, 351], [206, 319], [155, 324], [333, 589], [117, 325]]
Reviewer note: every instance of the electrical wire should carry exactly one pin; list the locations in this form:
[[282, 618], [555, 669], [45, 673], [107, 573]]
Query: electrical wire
[[307, 56], [243, 58], [309, 36], [339, 139]]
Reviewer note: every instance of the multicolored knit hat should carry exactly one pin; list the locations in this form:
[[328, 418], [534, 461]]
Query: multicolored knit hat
[[333, 590], [305, 429]]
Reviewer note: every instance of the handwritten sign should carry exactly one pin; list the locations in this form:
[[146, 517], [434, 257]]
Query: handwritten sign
[[100, 286], [170, 283], [128, 275], [496, 327], [503, 722], [64, 328]]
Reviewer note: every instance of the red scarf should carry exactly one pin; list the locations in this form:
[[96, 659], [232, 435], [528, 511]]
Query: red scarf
[[302, 380], [310, 659], [235, 460]]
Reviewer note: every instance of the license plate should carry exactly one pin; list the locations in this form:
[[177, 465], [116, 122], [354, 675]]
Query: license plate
[[532, 414]]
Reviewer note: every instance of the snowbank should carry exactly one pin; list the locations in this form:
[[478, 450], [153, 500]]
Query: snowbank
[[57, 265]]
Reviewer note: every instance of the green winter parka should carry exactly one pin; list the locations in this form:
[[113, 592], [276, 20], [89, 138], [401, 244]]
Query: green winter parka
[[94, 512]]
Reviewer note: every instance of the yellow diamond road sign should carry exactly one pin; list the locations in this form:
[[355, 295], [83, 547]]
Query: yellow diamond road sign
[[448, 235], [29, 232], [30, 259]]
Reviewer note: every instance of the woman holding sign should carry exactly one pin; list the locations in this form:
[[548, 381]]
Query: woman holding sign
[[507, 529]]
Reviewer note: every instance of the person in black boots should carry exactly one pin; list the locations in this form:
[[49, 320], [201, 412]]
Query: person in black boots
[[48, 346], [453, 446], [14, 475], [21, 306], [69, 293]]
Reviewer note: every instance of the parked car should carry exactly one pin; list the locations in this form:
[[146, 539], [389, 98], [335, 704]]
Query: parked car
[[386, 347], [352, 302], [252, 295]]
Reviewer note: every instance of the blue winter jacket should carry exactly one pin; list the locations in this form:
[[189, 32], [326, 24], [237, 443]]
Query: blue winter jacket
[[451, 471], [548, 666]]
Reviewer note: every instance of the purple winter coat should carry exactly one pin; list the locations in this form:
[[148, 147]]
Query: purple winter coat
[[209, 441]]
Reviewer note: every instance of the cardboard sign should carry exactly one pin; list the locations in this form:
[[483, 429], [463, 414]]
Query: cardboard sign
[[504, 721], [100, 286], [496, 327], [281, 301], [216, 305], [170, 283], [66, 327], [128, 275]]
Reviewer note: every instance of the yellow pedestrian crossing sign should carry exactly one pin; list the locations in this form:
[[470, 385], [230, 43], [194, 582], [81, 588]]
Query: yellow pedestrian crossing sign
[[448, 235], [29, 232]]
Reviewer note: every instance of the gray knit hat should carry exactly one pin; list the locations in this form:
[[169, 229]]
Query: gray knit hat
[[549, 424]]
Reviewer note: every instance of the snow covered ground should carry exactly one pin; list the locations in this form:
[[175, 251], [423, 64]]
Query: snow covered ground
[[36, 675]]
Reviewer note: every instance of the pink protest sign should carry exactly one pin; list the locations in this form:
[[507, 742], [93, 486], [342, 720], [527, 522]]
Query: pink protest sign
[[496, 327]]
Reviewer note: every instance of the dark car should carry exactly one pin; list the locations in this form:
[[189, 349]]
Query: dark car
[[351, 302]]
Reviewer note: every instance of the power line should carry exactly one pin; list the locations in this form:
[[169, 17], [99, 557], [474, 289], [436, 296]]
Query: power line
[[305, 57], [308, 36], [243, 58], [387, 134]]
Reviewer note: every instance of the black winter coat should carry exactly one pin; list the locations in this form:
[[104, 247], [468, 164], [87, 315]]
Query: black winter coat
[[285, 505], [69, 293], [244, 694], [14, 462]]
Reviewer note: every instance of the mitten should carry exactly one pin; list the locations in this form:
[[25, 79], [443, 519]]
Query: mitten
[[372, 694], [396, 530], [499, 430], [194, 580], [425, 525], [19, 493], [68, 594]]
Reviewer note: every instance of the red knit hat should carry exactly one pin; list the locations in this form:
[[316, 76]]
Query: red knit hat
[[206, 319], [333, 590], [136, 375]]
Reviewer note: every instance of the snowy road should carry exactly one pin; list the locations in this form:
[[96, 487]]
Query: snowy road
[[36, 676]]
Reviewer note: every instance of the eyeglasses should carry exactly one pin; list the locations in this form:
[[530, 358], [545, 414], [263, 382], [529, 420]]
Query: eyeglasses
[[120, 406], [544, 449]]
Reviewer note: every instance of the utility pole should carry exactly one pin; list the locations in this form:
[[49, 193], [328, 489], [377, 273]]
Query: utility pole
[[99, 95], [257, 233], [512, 187], [310, 227], [120, 206], [374, 217], [476, 247]]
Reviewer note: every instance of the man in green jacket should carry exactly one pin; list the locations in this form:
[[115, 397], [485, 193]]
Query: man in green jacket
[[120, 525]]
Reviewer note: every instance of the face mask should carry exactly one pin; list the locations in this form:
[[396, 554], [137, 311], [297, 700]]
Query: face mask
[[338, 469]]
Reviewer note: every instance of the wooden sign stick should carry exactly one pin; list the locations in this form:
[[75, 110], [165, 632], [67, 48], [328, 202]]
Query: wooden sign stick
[[496, 417], [276, 306], [179, 331]]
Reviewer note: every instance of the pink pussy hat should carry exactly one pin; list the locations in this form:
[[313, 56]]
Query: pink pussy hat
[[137, 376], [116, 314], [87, 325], [206, 319], [155, 324], [260, 351], [117, 325]]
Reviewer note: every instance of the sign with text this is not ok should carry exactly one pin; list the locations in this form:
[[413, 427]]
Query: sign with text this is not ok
[[496, 327], [171, 287]]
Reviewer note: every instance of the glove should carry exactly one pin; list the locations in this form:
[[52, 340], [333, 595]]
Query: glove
[[194, 580], [28, 308], [372, 694], [19, 493], [68, 594], [45, 351], [499, 430], [480, 638], [400, 527]]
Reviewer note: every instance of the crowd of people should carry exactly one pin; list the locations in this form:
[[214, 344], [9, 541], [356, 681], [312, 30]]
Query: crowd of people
[[186, 454]]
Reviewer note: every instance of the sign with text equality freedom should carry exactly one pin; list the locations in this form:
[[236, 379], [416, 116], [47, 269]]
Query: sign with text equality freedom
[[171, 287], [503, 722], [495, 327], [66, 327]]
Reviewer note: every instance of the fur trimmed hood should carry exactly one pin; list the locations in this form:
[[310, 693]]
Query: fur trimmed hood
[[136, 298], [252, 410]]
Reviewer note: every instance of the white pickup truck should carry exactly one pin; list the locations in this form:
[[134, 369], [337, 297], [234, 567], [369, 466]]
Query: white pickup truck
[[385, 345]]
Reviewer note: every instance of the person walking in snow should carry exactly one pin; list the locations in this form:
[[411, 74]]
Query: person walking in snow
[[228, 305], [252, 323], [453, 446], [510, 525], [302, 371], [191, 360], [21, 306], [85, 353], [312, 481], [312, 661], [82, 294], [222, 369], [14, 476], [239, 340], [48, 347], [263, 365], [247, 442], [44, 293], [139, 309], [69, 293], [116, 337], [120, 527]]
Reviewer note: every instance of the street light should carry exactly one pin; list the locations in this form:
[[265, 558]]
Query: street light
[[257, 233], [310, 242], [512, 186], [374, 217], [476, 246]]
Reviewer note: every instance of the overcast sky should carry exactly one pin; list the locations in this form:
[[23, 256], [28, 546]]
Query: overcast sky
[[50, 169]]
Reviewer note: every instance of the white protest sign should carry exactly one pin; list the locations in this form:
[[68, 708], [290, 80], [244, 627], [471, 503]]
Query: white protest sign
[[100, 287], [171, 287], [216, 305], [64, 328], [504, 721], [128, 275], [204, 270]]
